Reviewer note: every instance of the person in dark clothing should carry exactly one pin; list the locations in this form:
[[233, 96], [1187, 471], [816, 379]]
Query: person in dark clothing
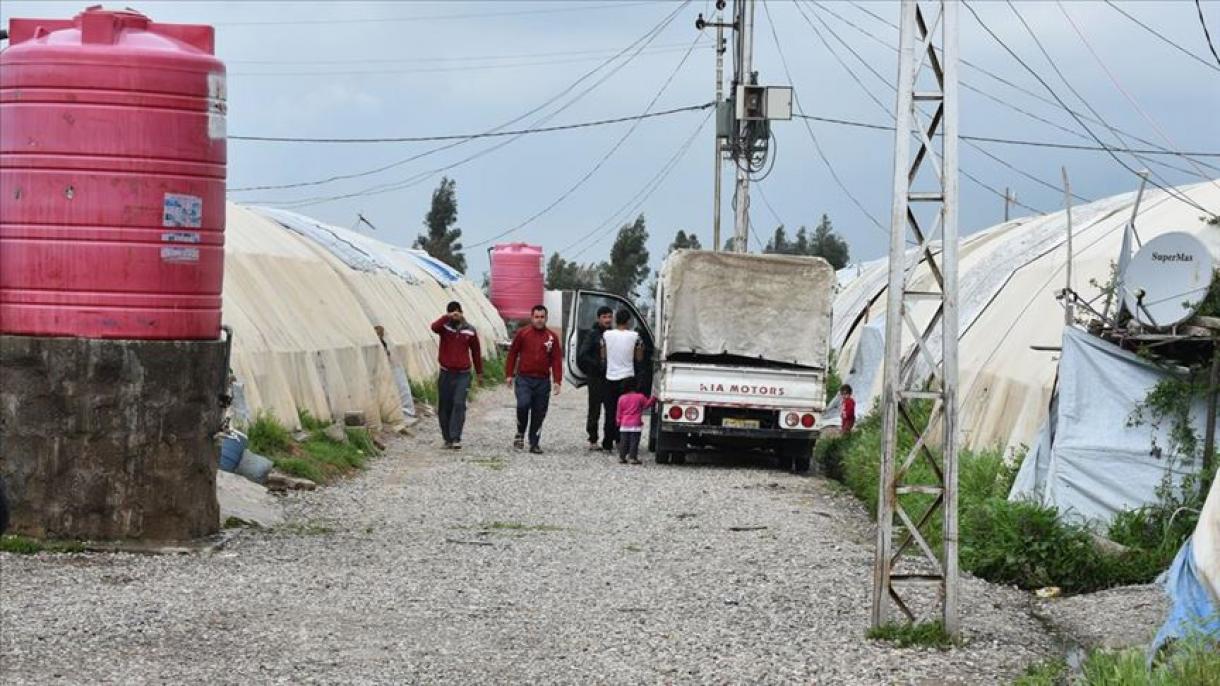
[[459, 350], [534, 359], [595, 374]]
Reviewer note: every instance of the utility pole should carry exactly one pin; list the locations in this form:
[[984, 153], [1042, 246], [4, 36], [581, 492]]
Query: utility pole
[[1009, 199], [925, 206], [744, 11], [1069, 310], [716, 140]]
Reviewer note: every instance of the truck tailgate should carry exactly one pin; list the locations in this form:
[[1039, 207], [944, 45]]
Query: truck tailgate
[[739, 386]]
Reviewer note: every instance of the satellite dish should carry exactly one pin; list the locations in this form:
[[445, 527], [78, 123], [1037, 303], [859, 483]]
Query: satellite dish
[[1167, 280]]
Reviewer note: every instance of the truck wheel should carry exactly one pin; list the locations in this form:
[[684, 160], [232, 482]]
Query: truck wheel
[[678, 457], [662, 457], [797, 455]]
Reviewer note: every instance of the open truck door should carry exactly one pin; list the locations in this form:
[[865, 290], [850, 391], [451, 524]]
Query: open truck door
[[580, 313]]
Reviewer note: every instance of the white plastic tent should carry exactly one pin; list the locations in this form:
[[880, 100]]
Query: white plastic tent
[[1008, 277], [303, 297]]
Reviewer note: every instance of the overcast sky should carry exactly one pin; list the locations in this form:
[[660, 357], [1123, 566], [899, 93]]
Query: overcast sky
[[344, 69]]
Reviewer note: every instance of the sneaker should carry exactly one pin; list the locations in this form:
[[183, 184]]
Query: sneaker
[[623, 460], [535, 450], [456, 445], [636, 462], [594, 447], [448, 445], [519, 442], [608, 447]]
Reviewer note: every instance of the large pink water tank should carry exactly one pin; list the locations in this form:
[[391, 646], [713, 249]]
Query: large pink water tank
[[516, 279], [112, 172]]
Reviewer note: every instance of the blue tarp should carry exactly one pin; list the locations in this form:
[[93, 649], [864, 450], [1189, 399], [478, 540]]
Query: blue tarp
[[442, 272], [1192, 611]]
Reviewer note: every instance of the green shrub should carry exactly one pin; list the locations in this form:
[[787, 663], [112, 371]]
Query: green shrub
[[425, 391], [1192, 662], [295, 466], [1048, 673], [833, 382], [361, 440], [493, 370], [268, 436], [828, 453]]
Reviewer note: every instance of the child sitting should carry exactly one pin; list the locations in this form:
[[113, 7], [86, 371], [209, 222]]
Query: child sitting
[[630, 419]]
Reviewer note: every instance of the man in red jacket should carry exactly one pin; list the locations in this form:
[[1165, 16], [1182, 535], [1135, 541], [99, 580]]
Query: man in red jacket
[[459, 348], [534, 358]]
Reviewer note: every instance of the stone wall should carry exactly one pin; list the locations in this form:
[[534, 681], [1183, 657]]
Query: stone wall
[[110, 439]]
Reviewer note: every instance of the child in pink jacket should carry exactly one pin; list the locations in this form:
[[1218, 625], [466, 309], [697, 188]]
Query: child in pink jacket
[[630, 420]]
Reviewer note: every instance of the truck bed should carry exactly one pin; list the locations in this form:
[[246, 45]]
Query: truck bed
[[742, 386]]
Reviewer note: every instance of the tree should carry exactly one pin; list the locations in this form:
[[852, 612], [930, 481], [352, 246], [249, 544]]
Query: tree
[[562, 275], [828, 245], [779, 244], [628, 265], [443, 240], [685, 241]]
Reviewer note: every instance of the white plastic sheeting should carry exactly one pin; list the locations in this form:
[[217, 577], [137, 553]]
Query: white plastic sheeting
[[1091, 461], [772, 307], [1008, 278], [303, 298]]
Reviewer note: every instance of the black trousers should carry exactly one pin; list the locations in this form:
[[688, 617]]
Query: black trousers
[[597, 403], [613, 391]]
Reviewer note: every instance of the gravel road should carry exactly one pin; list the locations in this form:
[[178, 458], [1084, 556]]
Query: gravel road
[[495, 566]]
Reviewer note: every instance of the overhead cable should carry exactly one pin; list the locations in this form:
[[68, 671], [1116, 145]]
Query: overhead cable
[[1206, 34], [1158, 34], [1034, 73], [598, 165], [433, 17], [638, 44]]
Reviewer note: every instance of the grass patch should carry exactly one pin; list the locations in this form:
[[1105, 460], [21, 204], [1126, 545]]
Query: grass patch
[[518, 526], [1048, 673], [425, 391], [311, 528], [23, 545], [317, 458], [1193, 662], [267, 435], [492, 463], [925, 634]]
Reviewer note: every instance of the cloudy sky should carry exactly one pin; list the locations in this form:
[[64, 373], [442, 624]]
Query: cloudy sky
[[395, 69]]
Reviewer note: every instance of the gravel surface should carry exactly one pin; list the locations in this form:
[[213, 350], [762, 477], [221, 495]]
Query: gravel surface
[[494, 566], [1115, 618]]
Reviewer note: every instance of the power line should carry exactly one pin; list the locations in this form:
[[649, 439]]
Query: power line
[[1017, 87], [1079, 121], [476, 136], [1206, 34], [1156, 33], [642, 42], [459, 58], [440, 70], [598, 165], [641, 196], [434, 17], [1118, 85], [890, 114], [796, 102]]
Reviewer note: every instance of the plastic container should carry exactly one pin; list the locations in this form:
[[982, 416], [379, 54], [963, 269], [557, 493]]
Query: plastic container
[[516, 279], [232, 445], [112, 164]]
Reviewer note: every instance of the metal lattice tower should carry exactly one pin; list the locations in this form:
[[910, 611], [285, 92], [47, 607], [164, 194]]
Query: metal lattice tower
[[925, 214]]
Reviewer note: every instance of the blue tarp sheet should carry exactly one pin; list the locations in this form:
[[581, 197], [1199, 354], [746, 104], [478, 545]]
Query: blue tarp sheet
[[1191, 611]]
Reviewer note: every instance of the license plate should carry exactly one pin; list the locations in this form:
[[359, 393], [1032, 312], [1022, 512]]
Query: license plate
[[733, 423]]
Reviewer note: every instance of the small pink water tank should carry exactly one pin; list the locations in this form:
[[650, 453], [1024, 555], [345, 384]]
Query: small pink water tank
[[112, 164], [516, 279]]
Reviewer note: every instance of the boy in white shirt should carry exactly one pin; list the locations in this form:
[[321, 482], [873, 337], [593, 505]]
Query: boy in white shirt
[[621, 348]]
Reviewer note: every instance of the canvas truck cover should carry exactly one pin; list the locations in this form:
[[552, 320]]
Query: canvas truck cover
[[771, 307]]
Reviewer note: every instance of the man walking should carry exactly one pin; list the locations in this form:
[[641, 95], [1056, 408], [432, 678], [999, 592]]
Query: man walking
[[459, 349], [621, 349], [534, 359], [595, 374]]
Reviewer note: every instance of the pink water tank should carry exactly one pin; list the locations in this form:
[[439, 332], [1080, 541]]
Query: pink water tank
[[516, 279], [112, 173]]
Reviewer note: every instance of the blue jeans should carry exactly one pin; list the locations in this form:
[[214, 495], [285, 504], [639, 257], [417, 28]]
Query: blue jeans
[[533, 399]]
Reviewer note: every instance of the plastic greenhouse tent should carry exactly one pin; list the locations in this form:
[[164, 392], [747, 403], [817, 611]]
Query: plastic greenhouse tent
[[303, 298]]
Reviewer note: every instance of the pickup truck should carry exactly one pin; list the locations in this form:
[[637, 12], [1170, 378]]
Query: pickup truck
[[740, 358]]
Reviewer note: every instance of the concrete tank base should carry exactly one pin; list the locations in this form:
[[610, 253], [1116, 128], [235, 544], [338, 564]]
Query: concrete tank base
[[110, 439]]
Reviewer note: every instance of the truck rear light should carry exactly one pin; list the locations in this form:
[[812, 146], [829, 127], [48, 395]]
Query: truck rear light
[[792, 419], [692, 413], [807, 421], [675, 413]]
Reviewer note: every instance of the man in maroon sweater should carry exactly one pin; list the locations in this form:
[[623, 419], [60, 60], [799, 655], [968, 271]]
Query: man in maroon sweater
[[459, 348], [534, 358]]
